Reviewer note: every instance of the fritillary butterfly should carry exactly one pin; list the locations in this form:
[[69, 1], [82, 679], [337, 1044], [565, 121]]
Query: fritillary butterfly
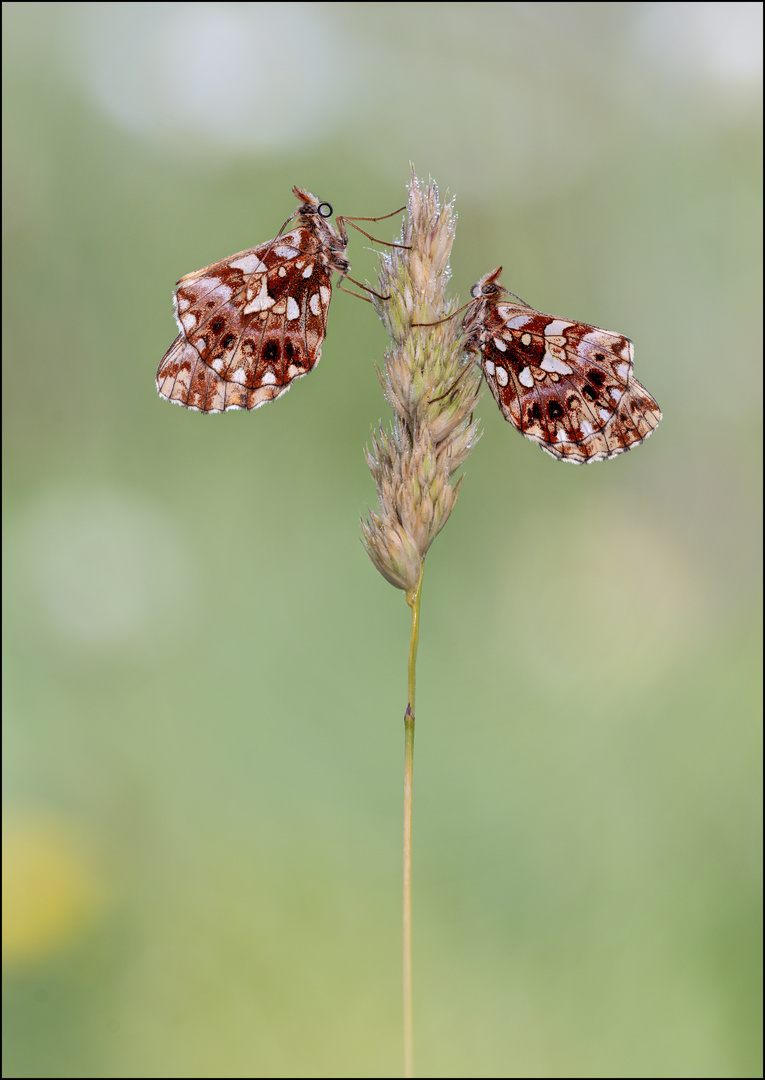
[[254, 322], [566, 385]]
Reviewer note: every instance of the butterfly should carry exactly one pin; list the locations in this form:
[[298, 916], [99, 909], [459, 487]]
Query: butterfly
[[567, 385], [254, 322]]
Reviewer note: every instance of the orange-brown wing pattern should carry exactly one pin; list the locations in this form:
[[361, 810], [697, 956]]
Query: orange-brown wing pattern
[[250, 325], [566, 385]]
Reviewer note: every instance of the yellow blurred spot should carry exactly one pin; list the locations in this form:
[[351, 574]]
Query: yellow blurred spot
[[51, 892]]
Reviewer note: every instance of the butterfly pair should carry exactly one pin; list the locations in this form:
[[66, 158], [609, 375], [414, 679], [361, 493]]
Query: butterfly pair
[[253, 323]]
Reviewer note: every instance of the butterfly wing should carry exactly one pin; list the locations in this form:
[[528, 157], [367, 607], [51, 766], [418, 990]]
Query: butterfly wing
[[568, 386], [249, 324]]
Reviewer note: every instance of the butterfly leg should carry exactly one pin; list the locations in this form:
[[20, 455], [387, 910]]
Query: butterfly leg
[[343, 218], [455, 384]]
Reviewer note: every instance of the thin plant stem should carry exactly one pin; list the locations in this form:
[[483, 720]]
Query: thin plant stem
[[413, 600]]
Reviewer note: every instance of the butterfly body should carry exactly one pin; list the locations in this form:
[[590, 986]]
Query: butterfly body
[[252, 323], [568, 386]]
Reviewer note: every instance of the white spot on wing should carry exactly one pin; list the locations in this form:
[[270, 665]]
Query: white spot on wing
[[561, 435], [248, 264], [262, 301], [488, 366], [622, 370], [284, 251], [587, 428], [556, 328], [293, 311], [189, 321], [509, 312], [500, 344], [615, 393], [526, 377], [502, 377], [314, 305], [325, 294], [308, 270], [552, 363], [268, 378], [605, 415]]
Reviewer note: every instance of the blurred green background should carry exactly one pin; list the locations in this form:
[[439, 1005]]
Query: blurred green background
[[205, 678]]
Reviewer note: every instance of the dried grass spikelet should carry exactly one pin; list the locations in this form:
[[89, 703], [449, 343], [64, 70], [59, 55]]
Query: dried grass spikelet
[[429, 438]]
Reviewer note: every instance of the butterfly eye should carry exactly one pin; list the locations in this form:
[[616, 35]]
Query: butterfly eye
[[324, 210]]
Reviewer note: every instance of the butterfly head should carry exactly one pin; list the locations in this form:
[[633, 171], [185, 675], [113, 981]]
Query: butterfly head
[[332, 241], [488, 286], [311, 205]]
